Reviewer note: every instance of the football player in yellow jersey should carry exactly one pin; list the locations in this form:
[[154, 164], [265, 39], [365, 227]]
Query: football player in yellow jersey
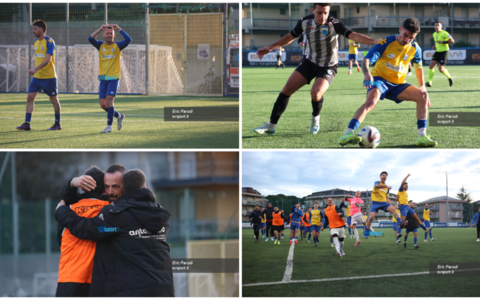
[[379, 201], [442, 39], [405, 210], [44, 76], [387, 80], [316, 217], [426, 221], [264, 223], [109, 70], [352, 55]]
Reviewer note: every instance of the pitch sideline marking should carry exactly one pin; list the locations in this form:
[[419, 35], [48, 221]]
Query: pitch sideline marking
[[287, 277]]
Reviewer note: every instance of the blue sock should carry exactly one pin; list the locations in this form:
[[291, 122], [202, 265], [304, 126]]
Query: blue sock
[[349, 231], [421, 124], [282, 235], [331, 240], [28, 117], [291, 238], [430, 233], [309, 236], [110, 111], [426, 235], [57, 118], [415, 240], [406, 238], [115, 113], [354, 124], [423, 227]]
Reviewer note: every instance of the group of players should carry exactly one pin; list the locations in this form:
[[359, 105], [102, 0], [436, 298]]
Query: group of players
[[45, 76], [271, 220], [390, 56]]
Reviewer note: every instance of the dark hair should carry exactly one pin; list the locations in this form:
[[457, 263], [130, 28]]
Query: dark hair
[[412, 25], [405, 183], [97, 174], [437, 21], [116, 168], [410, 201], [133, 180], [315, 203], [257, 205], [41, 24], [322, 4], [384, 172], [109, 27]]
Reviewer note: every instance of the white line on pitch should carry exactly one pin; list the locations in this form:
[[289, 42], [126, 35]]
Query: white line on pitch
[[288, 271], [129, 121]]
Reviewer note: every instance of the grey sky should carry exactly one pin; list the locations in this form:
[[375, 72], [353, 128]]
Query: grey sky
[[301, 173]]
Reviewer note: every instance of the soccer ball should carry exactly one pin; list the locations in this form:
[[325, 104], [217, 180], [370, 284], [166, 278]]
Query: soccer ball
[[370, 137]]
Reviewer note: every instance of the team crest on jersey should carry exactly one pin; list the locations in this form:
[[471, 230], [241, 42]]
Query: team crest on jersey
[[391, 55], [104, 50], [405, 57], [330, 72], [35, 48], [324, 29], [382, 41], [42, 48], [113, 50]]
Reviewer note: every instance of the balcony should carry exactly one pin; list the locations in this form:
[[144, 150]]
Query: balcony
[[250, 202], [466, 22], [269, 24]]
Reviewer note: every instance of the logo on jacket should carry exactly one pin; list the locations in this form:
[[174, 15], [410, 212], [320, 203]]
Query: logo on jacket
[[143, 233], [108, 229]]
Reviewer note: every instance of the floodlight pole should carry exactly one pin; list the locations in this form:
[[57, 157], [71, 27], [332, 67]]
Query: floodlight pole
[[251, 26], [67, 17], [106, 14], [446, 174]]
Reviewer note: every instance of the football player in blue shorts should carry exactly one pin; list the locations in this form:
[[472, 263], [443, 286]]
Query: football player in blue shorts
[[411, 226], [380, 201], [426, 221], [295, 219], [405, 209], [109, 54], [387, 80], [316, 221], [44, 75], [349, 217]]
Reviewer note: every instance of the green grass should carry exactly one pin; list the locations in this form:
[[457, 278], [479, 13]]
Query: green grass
[[143, 127], [266, 262], [396, 122]]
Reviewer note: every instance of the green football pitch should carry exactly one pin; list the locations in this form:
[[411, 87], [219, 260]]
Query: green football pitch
[[396, 122], [371, 269], [143, 127]]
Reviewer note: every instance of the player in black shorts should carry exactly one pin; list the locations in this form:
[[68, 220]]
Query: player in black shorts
[[321, 59]]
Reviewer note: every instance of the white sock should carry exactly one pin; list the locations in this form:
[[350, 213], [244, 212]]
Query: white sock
[[109, 126], [337, 244], [341, 247], [317, 118], [422, 131], [272, 126], [355, 233], [348, 131]]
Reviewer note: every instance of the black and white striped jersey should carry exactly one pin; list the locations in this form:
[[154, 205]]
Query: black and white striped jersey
[[321, 40]]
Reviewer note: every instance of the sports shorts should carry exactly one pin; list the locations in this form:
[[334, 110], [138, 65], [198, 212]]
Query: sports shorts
[[358, 219], [264, 225], [108, 88], [278, 227], [349, 220], [308, 229], [294, 226], [440, 57], [339, 231], [315, 228], [309, 70], [395, 226], [406, 210], [388, 90], [376, 206], [47, 86], [352, 56], [427, 224], [412, 230]]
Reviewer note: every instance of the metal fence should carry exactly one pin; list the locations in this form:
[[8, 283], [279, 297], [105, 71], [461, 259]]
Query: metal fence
[[176, 48]]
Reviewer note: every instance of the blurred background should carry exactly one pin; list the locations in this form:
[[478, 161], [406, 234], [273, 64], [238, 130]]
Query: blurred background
[[193, 47], [200, 189]]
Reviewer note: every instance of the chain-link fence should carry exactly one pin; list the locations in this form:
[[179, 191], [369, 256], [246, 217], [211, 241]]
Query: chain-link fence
[[186, 43]]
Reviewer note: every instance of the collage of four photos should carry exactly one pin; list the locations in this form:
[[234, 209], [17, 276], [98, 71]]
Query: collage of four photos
[[239, 149]]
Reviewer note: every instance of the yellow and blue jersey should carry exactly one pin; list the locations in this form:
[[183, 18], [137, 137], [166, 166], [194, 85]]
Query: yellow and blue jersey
[[352, 47], [264, 219], [379, 194], [402, 197], [109, 57], [426, 215], [316, 217], [42, 48], [391, 59]]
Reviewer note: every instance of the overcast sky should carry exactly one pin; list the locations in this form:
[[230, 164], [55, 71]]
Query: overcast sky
[[301, 173]]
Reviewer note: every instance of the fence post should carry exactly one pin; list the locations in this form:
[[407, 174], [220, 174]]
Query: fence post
[[29, 41], [67, 19], [48, 228], [147, 46]]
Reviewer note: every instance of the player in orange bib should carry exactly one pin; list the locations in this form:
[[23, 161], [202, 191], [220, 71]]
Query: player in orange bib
[[278, 224], [334, 218], [76, 259]]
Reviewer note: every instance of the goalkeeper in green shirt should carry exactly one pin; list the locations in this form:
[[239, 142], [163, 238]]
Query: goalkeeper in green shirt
[[442, 39]]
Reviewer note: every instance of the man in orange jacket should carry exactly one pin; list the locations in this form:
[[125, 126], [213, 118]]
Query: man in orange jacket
[[76, 259]]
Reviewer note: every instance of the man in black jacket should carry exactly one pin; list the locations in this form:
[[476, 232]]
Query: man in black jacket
[[268, 213], [256, 219], [132, 257]]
